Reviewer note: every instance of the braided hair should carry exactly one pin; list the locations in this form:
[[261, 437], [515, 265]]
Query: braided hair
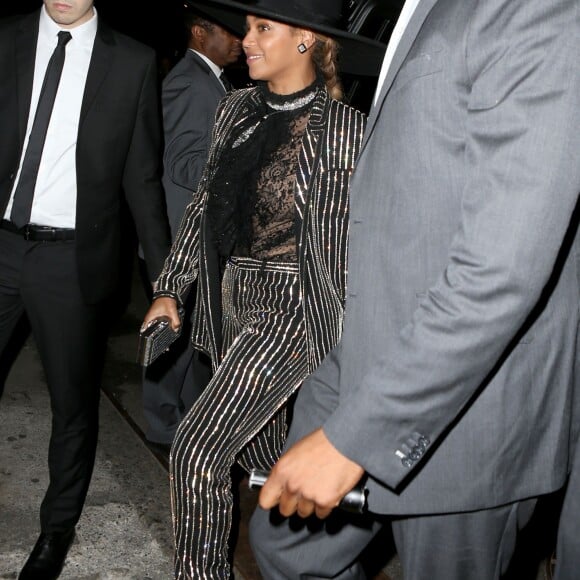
[[325, 57]]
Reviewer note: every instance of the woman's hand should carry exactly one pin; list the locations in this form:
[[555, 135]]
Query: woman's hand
[[163, 306]]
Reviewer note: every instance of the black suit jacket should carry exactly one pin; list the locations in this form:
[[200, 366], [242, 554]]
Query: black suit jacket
[[118, 147]]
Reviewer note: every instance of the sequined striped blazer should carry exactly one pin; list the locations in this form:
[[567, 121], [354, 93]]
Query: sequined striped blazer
[[329, 149]]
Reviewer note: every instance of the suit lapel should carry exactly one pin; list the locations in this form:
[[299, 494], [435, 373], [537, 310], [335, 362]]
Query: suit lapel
[[101, 59], [308, 160], [204, 66], [309, 152], [413, 28], [26, 42]]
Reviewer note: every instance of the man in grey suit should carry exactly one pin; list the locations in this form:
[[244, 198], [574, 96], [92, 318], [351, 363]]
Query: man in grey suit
[[453, 383], [567, 552], [191, 93], [567, 549]]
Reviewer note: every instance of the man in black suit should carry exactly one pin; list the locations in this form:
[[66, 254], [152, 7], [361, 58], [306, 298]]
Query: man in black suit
[[60, 205], [191, 93]]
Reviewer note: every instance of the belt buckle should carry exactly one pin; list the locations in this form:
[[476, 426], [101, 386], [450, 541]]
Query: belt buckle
[[26, 231]]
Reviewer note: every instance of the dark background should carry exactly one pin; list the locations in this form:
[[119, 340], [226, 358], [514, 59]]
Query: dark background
[[156, 23], [159, 24]]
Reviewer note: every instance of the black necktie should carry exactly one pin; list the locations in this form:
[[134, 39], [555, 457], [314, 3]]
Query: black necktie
[[24, 193], [225, 82]]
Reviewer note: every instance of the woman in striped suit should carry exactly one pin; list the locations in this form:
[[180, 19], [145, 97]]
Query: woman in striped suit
[[266, 237]]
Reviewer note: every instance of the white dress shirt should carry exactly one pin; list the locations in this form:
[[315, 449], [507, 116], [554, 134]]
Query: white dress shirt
[[55, 193], [404, 18], [215, 69]]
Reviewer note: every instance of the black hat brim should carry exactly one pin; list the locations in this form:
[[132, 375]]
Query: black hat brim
[[231, 24], [359, 55]]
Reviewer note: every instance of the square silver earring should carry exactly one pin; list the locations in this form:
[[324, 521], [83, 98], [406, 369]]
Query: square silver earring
[[302, 48]]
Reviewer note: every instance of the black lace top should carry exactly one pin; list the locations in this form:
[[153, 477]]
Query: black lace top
[[251, 205]]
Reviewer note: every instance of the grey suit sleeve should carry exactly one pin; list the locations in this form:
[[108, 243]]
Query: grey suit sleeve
[[181, 266], [523, 178], [188, 118]]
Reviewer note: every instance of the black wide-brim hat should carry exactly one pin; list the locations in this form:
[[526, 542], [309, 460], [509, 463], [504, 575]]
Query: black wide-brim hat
[[358, 54]]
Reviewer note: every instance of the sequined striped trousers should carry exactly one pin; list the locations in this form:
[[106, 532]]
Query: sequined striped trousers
[[240, 415]]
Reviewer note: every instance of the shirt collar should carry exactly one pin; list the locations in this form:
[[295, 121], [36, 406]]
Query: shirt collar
[[83, 35], [215, 69], [405, 16]]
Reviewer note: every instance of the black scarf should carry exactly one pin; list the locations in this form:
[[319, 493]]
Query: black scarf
[[232, 192]]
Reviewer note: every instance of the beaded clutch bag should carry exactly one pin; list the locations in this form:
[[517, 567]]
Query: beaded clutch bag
[[156, 339]]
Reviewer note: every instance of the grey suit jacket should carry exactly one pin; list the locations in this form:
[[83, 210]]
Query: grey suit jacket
[[190, 95], [455, 373]]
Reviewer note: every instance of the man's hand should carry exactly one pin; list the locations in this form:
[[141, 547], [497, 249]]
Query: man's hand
[[311, 477]]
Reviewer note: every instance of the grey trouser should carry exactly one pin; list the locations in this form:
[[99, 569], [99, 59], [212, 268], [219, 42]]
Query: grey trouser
[[568, 547], [465, 546]]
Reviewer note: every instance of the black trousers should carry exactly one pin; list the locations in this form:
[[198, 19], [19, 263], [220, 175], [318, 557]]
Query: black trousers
[[173, 383], [41, 280]]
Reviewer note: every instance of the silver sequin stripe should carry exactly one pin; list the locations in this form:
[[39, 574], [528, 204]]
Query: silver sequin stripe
[[324, 242], [240, 410]]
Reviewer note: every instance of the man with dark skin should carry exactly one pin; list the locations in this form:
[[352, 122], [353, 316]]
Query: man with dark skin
[[191, 93]]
